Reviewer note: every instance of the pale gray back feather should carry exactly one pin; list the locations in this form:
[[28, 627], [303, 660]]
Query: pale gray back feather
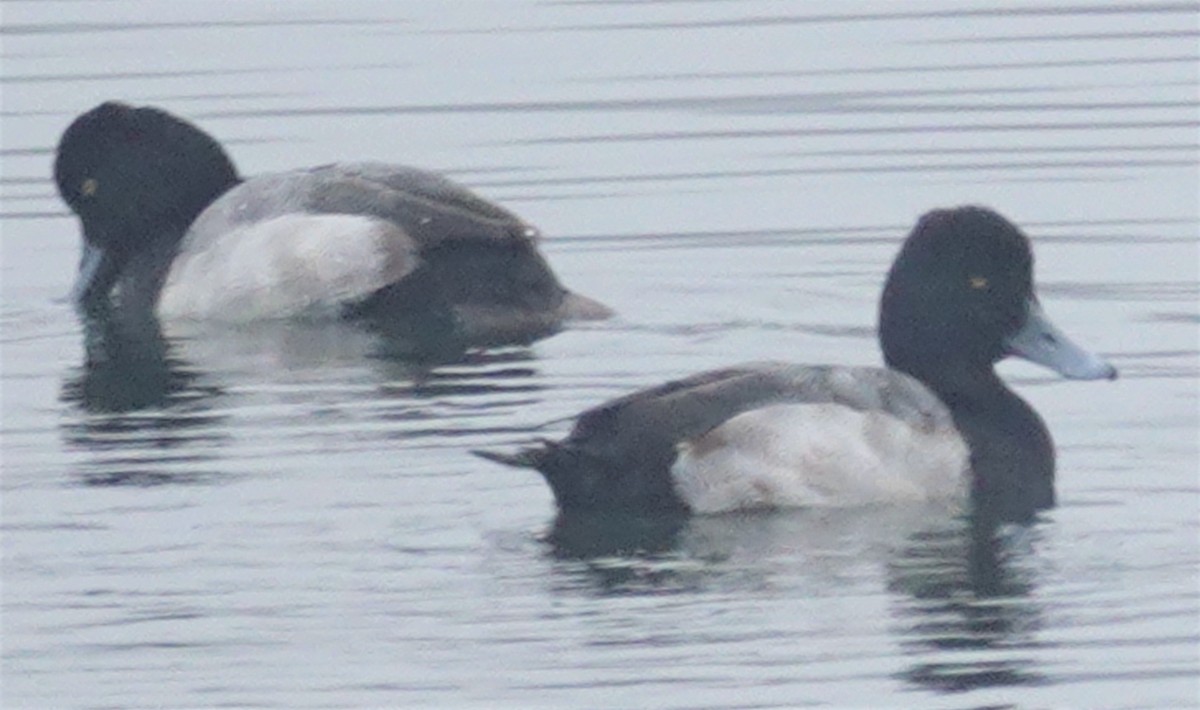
[[427, 209], [687, 408]]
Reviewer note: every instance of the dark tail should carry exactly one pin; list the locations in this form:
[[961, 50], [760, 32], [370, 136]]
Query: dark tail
[[572, 480], [583, 481], [534, 457]]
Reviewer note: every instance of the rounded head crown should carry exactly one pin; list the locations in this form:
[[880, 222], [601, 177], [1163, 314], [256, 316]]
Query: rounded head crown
[[132, 173], [961, 285]]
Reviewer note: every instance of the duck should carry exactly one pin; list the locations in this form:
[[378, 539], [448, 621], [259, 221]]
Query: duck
[[171, 230], [935, 425]]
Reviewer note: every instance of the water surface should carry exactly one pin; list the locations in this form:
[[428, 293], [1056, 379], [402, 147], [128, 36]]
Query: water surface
[[284, 517]]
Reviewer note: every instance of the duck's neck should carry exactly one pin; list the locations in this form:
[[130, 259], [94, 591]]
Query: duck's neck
[[1012, 454], [146, 272], [144, 275]]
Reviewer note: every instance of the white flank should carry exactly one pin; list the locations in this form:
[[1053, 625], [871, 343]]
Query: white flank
[[287, 266], [813, 455]]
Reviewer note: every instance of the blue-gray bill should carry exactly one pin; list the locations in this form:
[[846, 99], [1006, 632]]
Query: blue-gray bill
[[1040, 341], [93, 264]]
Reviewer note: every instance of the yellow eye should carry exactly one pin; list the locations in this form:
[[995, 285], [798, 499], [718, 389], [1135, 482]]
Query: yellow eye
[[978, 282], [88, 188]]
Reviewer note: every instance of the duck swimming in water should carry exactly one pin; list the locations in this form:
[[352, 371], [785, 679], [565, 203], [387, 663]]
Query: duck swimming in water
[[171, 229], [937, 423]]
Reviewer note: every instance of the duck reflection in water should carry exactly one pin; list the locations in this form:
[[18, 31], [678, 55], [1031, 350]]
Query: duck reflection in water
[[128, 365], [964, 608], [167, 402], [960, 590], [148, 414]]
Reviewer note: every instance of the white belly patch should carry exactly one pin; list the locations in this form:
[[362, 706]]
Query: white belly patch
[[287, 266], [814, 455]]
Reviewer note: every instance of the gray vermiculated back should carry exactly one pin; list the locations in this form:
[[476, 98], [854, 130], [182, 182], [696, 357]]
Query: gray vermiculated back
[[430, 209], [685, 408]]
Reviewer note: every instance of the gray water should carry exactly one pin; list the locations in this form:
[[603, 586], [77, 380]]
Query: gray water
[[297, 522]]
